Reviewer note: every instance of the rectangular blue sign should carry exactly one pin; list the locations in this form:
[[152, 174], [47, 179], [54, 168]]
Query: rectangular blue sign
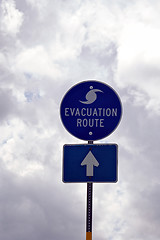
[[90, 163]]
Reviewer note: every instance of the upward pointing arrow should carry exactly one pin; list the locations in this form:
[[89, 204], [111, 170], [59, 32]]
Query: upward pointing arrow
[[90, 161]]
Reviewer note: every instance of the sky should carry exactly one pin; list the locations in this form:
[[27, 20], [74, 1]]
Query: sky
[[46, 47]]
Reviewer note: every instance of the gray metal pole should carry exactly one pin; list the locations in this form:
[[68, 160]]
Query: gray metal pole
[[89, 208]]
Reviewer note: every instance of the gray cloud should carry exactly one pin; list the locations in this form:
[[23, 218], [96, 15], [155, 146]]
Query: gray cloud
[[7, 104], [49, 47]]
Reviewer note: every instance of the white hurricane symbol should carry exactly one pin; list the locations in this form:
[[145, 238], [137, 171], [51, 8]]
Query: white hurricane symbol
[[91, 96]]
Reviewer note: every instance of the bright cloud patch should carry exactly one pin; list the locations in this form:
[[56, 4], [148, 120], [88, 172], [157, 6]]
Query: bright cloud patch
[[11, 18], [139, 57], [37, 61]]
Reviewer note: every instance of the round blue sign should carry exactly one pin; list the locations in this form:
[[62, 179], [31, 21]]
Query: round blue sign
[[91, 110]]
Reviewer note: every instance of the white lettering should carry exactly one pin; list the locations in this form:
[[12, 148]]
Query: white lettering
[[79, 121], [96, 121], [114, 112], [66, 112], [77, 112], [82, 111], [89, 112], [101, 122], [100, 109], [72, 111], [85, 122], [90, 122], [95, 112], [108, 112]]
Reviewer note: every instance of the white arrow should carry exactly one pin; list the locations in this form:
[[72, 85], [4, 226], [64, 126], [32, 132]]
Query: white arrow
[[90, 161]]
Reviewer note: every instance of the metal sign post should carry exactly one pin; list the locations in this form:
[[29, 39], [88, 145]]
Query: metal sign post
[[89, 208], [90, 110], [89, 211]]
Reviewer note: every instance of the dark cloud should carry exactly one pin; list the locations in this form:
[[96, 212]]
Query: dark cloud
[[8, 104]]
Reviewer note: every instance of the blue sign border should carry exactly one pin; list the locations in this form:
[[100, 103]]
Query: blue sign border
[[110, 123], [106, 155]]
